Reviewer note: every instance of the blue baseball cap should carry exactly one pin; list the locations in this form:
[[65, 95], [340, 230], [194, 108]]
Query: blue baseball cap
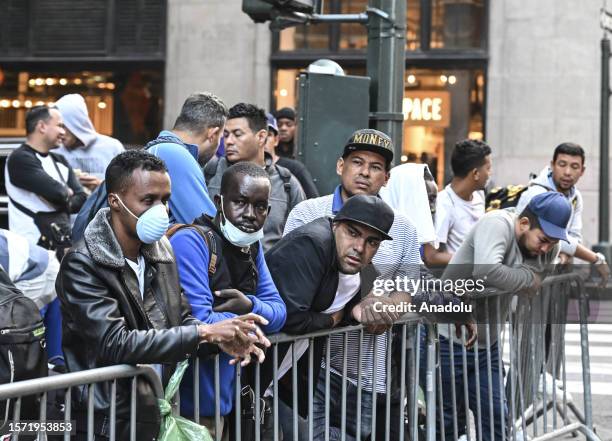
[[272, 122], [553, 211]]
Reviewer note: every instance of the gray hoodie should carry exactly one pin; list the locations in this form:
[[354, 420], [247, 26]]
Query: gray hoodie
[[97, 150], [543, 183]]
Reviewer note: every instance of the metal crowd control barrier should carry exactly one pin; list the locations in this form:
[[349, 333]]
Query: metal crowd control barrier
[[527, 365], [511, 386], [89, 378]]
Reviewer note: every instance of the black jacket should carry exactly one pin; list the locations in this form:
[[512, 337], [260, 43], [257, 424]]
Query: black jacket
[[304, 266], [106, 322]]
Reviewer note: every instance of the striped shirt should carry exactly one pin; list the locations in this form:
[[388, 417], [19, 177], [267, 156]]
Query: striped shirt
[[395, 258]]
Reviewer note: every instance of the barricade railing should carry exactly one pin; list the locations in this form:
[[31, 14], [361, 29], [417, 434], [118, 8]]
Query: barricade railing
[[410, 383], [41, 387]]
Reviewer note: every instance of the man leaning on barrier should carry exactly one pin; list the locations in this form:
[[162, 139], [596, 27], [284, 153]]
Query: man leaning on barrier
[[511, 253], [122, 302], [318, 269]]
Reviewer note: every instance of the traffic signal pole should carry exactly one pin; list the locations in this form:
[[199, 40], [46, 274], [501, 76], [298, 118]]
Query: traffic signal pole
[[386, 67]]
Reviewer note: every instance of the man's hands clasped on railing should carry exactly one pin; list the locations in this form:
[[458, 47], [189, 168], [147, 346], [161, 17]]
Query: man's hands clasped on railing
[[239, 337]]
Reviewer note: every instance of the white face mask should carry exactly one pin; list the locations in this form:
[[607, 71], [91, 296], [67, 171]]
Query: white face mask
[[235, 235], [152, 224]]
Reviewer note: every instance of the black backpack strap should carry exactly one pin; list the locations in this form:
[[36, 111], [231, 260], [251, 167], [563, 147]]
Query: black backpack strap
[[209, 239], [21, 208], [210, 169], [286, 177]]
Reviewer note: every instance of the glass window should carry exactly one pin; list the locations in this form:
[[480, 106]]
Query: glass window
[[124, 105], [440, 108], [413, 25], [457, 24], [307, 37], [353, 36]]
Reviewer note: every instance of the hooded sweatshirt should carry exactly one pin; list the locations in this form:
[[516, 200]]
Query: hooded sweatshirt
[[543, 183], [97, 150]]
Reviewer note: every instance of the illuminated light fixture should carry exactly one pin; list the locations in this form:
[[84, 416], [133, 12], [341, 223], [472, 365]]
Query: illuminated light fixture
[[27, 104], [50, 103], [5, 104], [411, 79], [102, 105], [452, 79], [404, 158], [78, 81], [31, 82], [39, 81], [63, 81], [50, 81], [443, 78], [16, 103], [110, 86], [283, 92], [102, 85], [39, 103]]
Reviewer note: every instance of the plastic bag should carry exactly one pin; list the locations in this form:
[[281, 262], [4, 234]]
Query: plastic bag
[[177, 428]]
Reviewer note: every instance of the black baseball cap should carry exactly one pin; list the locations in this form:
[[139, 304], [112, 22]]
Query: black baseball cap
[[285, 113], [371, 140], [370, 211]]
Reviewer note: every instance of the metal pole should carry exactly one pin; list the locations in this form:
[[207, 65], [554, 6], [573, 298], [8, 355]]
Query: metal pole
[[386, 68], [604, 141]]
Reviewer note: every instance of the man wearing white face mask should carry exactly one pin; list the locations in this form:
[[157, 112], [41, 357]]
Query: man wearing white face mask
[[461, 204], [237, 280], [122, 302]]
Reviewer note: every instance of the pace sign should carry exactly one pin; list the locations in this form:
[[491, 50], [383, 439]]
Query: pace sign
[[427, 108]]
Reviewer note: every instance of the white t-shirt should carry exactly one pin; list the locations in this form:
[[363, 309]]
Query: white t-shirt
[[455, 217], [348, 287]]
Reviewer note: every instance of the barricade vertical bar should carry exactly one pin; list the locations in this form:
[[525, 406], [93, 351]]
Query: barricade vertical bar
[[359, 375], [388, 388], [310, 390], [343, 393], [553, 360], [275, 390], [113, 411], [68, 413], [43, 407], [586, 363], [534, 372], [402, 383], [453, 382], [327, 362], [489, 370], [565, 418], [17, 415], [238, 401], [519, 374], [512, 374], [431, 385], [257, 400], [294, 393], [90, 413], [217, 375], [466, 392], [133, 411], [438, 370], [476, 350], [374, 384], [500, 365], [543, 294], [196, 389], [414, 386]]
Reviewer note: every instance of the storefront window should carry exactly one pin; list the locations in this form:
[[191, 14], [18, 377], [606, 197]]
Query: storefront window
[[124, 105], [306, 37], [457, 24], [413, 25], [440, 108], [353, 36]]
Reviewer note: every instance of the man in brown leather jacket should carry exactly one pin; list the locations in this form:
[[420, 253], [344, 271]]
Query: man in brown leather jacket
[[122, 302]]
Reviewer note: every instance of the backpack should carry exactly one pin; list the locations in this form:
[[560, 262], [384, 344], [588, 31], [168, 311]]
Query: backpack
[[504, 197], [98, 198], [22, 341]]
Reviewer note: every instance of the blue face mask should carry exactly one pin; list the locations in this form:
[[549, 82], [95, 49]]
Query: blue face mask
[[152, 224], [235, 235]]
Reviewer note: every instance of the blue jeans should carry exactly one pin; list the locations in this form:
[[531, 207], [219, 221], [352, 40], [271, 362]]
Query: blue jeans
[[52, 319], [335, 409], [449, 409]]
